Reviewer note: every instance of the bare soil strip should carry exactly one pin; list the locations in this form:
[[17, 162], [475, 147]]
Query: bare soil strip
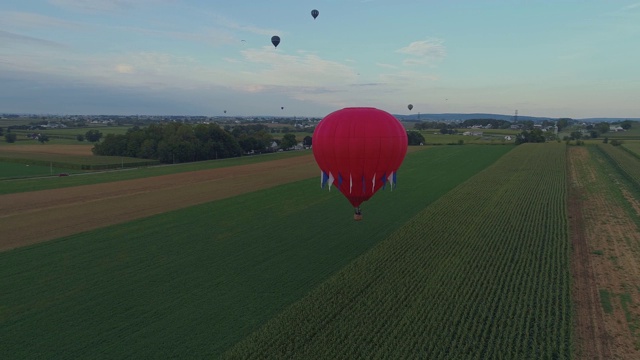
[[591, 337], [33, 217], [84, 150], [605, 260]]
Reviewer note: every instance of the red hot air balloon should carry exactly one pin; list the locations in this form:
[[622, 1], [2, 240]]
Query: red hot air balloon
[[359, 150]]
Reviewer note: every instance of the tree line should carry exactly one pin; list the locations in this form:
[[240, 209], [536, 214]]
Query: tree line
[[177, 142], [171, 143]]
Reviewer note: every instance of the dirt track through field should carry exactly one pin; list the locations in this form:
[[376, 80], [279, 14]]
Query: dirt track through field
[[84, 150], [605, 263], [33, 217], [591, 336]]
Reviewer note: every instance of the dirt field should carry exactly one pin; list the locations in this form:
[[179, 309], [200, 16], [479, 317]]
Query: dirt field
[[45, 215], [605, 263], [84, 150]]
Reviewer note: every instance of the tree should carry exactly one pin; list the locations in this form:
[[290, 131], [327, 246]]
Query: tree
[[10, 137], [415, 138], [615, 142], [602, 127], [43, 138], [80, 137], [288, 141], [530, 136], [307, 141], [1, 131], [249, 144], [606, 140], [625, 125], [93, 135], [563, 123], [575, 135]]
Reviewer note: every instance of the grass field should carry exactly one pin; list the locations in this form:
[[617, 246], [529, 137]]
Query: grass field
[[192, 283], [77, 162], [633, 133], [65, 136], [9, 170], [489, 136], [24, 185], [632, 146], [481, 273], [431, 138], [627, 163]]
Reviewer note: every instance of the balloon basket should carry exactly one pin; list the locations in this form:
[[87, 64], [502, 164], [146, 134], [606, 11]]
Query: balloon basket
[[357, 217]]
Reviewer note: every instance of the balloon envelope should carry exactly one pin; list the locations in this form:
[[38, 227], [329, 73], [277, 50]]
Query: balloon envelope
[[315, 13], [359, 150], [275, 40], [410, 107]]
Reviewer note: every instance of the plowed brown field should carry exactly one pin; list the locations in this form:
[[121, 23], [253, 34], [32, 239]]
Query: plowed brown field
[[606, 259], [84, 150], [33, 217]]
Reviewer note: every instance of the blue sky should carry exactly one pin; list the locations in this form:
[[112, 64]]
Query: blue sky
[[544, 58]]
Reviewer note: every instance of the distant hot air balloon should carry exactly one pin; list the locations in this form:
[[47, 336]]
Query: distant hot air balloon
[[410, 107], [359, 150], [281, 107], [275, 40], [315, 13], [225, 111]]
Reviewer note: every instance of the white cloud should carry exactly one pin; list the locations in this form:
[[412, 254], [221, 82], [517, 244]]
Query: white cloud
[[16, 19], [295, 70], [90, 5], [124, 69], [408, 77], [631, 6], [388, 66], [423, 52], [7, 38], [97, 6], [231, 24]]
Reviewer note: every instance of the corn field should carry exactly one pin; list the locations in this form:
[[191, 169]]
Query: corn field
[[626, 162], [482, 273]]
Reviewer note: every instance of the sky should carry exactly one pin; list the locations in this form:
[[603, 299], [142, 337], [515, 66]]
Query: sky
[[553, 58]]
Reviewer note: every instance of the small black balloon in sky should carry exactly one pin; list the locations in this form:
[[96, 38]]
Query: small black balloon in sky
[[275, 40]]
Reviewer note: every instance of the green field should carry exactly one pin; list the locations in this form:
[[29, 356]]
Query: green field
[[632, 147], [492, 137], [194, 282], [9, 170], [631, 134], [77, 162], [626, 162], [71, 133], [482, 273], [24, 185]]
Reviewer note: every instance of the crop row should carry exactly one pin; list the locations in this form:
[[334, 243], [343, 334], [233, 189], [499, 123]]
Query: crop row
[[481, 273], [626, 163], [633, 148]]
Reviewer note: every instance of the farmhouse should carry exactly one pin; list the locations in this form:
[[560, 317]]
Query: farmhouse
[[472, 133]]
